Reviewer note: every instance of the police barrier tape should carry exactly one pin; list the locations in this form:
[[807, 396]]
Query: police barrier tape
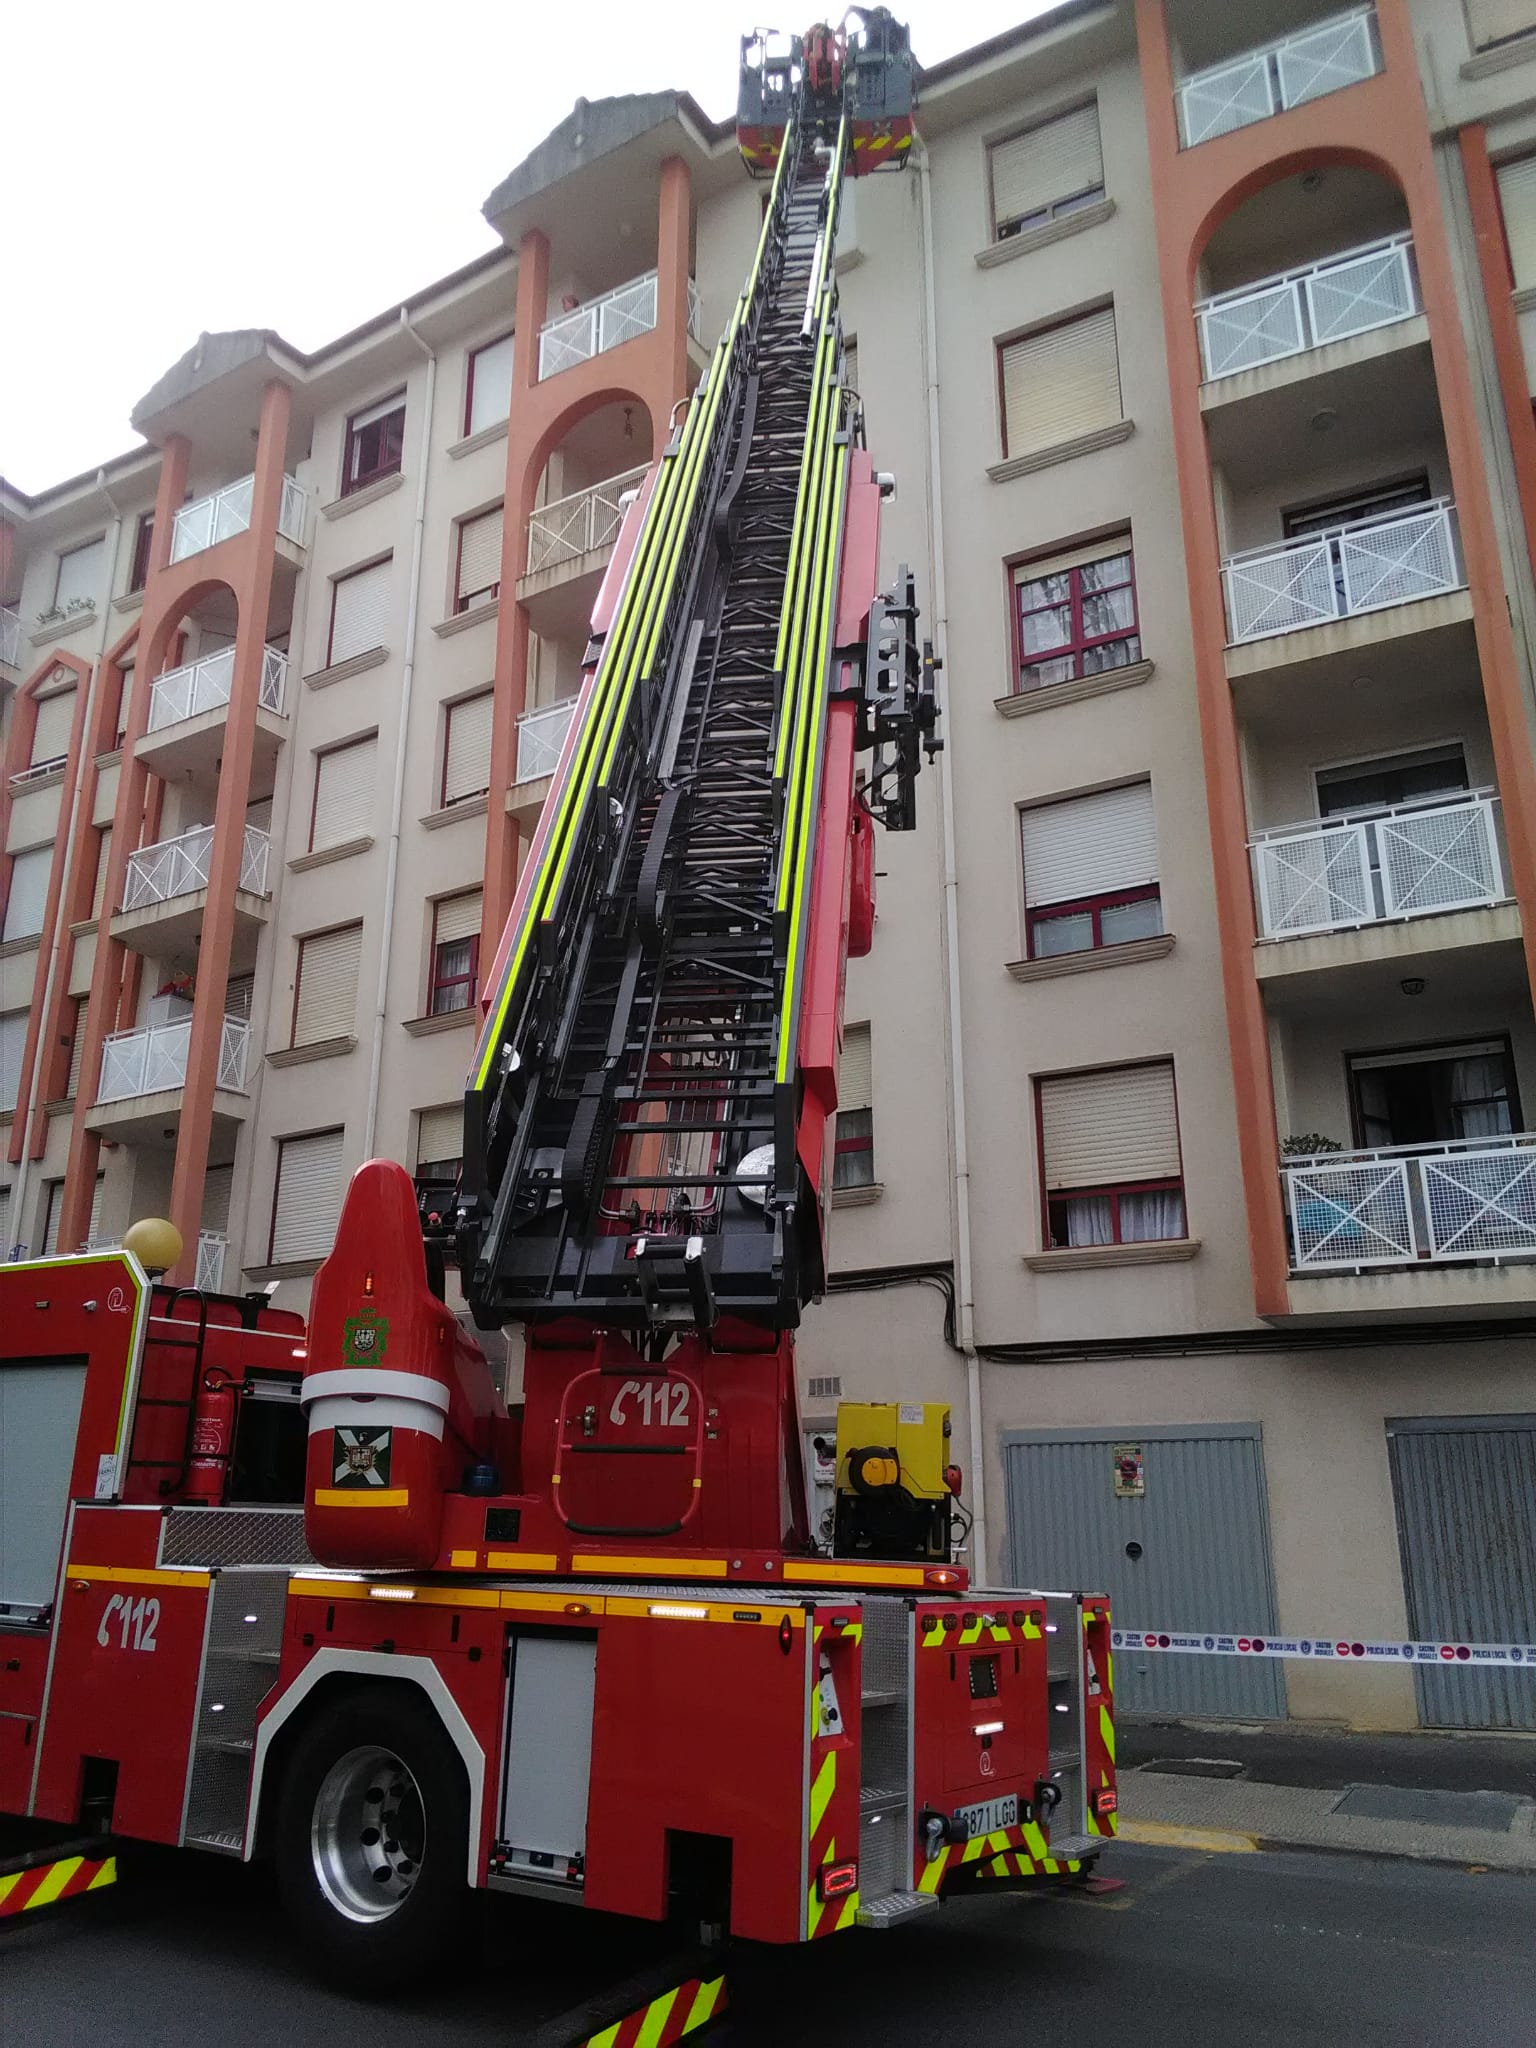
[[1519, 1655]]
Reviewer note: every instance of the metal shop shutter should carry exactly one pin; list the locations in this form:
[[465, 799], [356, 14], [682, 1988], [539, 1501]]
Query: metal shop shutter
[[1060, 383], [77, 1050], [1495, 21], [490, 384], [1517, 196], [855, 1072], [467, 748], [458, 917], [29, 893], [359, 612], [344, 784], [440, 1134], [218, 1184], [80, 574], [1089, 845], [307, 1198], [1465, 1491], [50, 736], [1117, 1124], [327, 1000], [1058, 160], [480, 553]]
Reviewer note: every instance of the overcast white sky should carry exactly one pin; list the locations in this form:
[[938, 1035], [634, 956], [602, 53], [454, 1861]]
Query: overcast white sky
[[297, 164]]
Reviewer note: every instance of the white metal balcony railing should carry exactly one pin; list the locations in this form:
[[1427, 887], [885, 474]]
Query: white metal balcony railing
[[1368, 867], [1285, 73], [574, 525], [618, 316], [10, 637], [1370, 287], [211, 1247], [205, 686], [145, 1062], [540, 736], [207, 521], [1363, 566], [175, 867], [1468, 1198]]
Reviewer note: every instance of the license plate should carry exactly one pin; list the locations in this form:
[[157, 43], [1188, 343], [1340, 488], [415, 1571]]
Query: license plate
[[990, 1817]]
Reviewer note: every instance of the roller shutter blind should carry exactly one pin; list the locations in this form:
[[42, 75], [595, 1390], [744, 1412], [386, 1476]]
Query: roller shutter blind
[[218, 1184], [440, 1135], [124, 698], [13, 1036], [53, 1205], [458, 917], [1089, 845], [28, 898], [1517, 197], [237, 996], [1118, 1124], [1495, 21], [479, 555], [1060, 383], [1035, 171], [467, 748], [77, 1050], [344, 784], [306, 1200], [490, 385], [359, 612], [50, 736], [327, 998], [855, 1072], [93, 1229], [103, 855], [80, 574], [5, 1223]]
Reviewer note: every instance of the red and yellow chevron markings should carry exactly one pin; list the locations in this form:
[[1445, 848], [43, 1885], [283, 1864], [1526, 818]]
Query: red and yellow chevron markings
[[684, 2010], [23, 1890]]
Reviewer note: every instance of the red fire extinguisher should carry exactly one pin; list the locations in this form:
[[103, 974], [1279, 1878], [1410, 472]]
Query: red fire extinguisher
[[213, 1437]]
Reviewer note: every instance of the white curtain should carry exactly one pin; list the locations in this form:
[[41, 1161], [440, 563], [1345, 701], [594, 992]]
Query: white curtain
[[1090, 1220], [1477, 1091], [1146, 1217]]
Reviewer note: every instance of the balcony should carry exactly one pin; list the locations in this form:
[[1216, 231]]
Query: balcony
[[608, 322], [540, 736], [184, 733], [1307, 308], [165, 891], [570, 542], [1342, 572], [1464, 1199], [223, 514], [143, 1073], [209, 1273], [1356, 869], [10, 638], [1277, 76]]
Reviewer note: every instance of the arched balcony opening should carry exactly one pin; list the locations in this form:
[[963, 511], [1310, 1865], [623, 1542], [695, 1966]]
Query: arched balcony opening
[[188, 672]]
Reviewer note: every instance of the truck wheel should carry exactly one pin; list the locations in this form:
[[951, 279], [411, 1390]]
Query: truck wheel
[[372, 1838]]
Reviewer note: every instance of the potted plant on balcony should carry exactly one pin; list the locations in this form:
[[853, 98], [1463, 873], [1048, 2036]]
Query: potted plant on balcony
[[1307, 1145]]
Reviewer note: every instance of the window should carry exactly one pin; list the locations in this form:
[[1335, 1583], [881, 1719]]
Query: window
[[143, 535], [853, 1153], [53, 1211], [306, 1197], [13, 1036], [218, 1186], [343, 801], [1416, 777], [50, 735], [1075, 614], [488, 394], [375, 443], [1090, 871], [455, 981], [76, 1049], [467, 748], [325, 990], [238, 991], [103, 855], [1428, 1094], [1059, 383], [1050, 170], [359, 611], [7, 1249], [478, 578], [1375, 501], [124, 699], [1497, 21], [28, 896], [439, 1151], [1517, 202], [1109, 1145], [78, 581]]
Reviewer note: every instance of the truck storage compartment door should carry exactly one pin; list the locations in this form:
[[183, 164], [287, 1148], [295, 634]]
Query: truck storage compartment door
[[549, 1755], [39, 1415]]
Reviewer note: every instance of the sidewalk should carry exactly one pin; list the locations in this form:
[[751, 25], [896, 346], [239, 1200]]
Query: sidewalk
[[1439, 1798]]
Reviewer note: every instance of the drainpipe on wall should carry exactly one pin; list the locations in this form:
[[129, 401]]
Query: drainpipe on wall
[[397, 799], [965, 1293], [63, 835]]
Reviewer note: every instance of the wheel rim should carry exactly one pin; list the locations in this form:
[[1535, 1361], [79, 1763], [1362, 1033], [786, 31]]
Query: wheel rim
[[368, 1833]]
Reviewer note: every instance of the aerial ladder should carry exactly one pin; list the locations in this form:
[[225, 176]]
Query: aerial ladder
[[477, 1624]]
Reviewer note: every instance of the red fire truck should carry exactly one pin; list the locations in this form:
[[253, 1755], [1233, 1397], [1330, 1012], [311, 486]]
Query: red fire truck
[[316, 1593]]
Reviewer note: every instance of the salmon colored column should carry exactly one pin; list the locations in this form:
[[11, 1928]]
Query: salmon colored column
[[674, 266], [105, 1012], [252, 581]]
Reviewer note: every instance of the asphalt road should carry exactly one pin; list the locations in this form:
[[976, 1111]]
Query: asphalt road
[[1197, 1951]]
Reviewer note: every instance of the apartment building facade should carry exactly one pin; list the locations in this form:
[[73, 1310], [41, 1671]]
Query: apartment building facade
[[1181, 1146]]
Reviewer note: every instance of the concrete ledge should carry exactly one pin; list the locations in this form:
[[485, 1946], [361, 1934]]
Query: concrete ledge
[[1063, 451], [1082, 1258], [1019, 703], [1348, 636], [461, 621], [496, 431], [1041, 237], [467, 807], [858, 1198], [301, 1055], [355, 500], [320, 678], [321, 856], [289, 1269], [60, 629], [1093, 957], [450, 1020]]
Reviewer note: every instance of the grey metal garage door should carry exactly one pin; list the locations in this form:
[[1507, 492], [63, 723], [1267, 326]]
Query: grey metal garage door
[[1191, 1552], [1465, 1488]]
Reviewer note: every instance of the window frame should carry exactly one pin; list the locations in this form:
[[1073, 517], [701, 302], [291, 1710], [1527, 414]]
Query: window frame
[[1058, 209], [349, 576], [1094, 906], [364, 421], [1114, 1190], [474, 355], [856, 1145], [436, 980], [295, 1044], [1019, 574], [295, 1138], [143, 540], [320, 754], [1166, 1184], [62, 555], [1434, 1052], [444, 801], [464, 601], [1037, 332]]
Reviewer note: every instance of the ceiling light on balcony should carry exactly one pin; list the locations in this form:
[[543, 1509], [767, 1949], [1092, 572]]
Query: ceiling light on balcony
[[1311, 180], [1412, 985], [1324, 420]]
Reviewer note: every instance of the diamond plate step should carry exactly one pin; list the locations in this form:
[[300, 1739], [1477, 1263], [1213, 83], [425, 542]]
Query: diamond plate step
[[895, 1908], [1073, 1848]]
